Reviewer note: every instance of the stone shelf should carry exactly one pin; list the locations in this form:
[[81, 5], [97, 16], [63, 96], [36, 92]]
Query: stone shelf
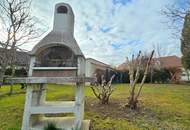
[[42, 80], [54, 68], [54, 108]]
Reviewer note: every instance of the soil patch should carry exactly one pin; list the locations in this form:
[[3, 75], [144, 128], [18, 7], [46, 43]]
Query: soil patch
[[115, 109]]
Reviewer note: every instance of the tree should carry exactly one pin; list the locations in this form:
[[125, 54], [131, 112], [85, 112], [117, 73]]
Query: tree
[[160, 51], [18, 28], [135, 65], [185, 44], [181, 15], [103, 90]]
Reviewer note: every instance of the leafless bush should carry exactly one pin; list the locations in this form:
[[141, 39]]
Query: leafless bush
[[103, 90]]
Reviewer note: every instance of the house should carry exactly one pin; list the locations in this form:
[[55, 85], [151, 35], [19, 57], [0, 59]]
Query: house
[[171, 63], [99, 68], [94, 66], [22, 59]]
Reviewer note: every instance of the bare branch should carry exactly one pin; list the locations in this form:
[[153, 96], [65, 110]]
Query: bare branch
[[138, 64], [145, 74], [20, 27], [176, 15]]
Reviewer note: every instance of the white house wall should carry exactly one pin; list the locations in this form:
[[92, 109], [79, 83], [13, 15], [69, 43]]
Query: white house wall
[[92, 66], [184, 76], [89, 69]]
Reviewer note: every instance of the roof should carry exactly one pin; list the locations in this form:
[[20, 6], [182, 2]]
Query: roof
[[122, 67], [96, 62], [22, 58], [169, 61], [166, 62]]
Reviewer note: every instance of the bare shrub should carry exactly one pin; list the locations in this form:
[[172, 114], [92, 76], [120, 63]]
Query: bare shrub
[[103, 90]]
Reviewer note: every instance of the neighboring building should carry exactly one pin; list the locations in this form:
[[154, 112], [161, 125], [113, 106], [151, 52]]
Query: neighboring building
[[22, 59], [99, 68], [93, 66], [172, 63], [21, 65], [165, 62], [169, 62], [122, 67]]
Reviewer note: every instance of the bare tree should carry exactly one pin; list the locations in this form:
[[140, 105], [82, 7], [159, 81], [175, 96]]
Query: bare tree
[[135, 65], [176, 16], [180, 19], [18, 28], [160, 50], [103, 90]]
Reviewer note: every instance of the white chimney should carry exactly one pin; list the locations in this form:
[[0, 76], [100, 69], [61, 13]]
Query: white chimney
[[63, 18]]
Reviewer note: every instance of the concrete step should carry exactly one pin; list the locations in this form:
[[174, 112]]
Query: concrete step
[[54, 108]]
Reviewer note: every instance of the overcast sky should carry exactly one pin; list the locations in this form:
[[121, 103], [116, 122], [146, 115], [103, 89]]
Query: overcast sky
[[110, 30]]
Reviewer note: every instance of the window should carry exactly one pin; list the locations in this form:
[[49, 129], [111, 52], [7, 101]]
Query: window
[[62, 9]]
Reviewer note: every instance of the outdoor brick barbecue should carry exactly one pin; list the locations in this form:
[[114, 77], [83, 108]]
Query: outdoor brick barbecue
[[57, 54], [57, 58]]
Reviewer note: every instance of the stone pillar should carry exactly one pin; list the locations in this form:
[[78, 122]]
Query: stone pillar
[[79, 96]]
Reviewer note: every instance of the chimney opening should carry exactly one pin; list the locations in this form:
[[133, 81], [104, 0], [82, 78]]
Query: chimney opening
[[62, 10]]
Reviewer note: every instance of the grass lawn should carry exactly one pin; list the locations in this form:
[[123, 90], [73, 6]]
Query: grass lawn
[[161, 107]]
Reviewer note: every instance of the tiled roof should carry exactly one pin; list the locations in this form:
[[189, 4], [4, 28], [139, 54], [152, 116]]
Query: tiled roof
[[169, 61], [122, 67], [166, 62]]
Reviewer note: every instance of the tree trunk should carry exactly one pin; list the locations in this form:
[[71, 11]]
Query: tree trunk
[[2, 74], [11, 90], [132, 103], [105, 100], [12, 75]]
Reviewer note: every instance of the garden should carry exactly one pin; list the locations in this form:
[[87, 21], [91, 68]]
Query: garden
[[161, 107]]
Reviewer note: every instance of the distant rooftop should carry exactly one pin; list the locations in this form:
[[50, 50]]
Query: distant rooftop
[[166, 62], [169, 61], [22, 58]]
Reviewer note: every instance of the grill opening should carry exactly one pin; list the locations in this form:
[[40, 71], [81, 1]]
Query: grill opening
[[56, 56]]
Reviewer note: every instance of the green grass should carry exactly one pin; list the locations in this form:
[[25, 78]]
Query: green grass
[[162, 107]]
